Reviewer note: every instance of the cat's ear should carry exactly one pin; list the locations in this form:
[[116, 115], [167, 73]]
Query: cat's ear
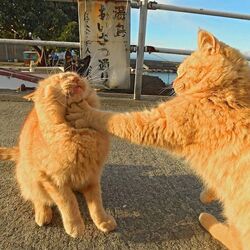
[[207, 42]]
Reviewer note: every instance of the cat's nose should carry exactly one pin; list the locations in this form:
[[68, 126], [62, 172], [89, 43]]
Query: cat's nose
[[76, 89]]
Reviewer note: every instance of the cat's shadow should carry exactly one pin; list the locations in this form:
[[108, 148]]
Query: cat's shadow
[[153, 208]]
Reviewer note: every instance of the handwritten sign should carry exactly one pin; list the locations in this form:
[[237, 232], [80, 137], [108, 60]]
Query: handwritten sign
[[104, 35]]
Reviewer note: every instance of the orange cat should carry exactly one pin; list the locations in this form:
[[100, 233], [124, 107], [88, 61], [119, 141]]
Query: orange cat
[[207, 123], [53, 159]]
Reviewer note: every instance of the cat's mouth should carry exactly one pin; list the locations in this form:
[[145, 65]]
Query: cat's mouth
[[76, 90]]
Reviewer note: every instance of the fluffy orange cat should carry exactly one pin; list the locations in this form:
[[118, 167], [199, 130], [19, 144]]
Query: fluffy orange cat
[[207, 123], [53, 159]]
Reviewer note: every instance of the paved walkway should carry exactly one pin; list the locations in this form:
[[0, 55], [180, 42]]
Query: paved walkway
[[154, 197]]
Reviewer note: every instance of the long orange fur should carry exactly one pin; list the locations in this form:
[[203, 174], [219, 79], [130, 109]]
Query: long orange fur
[[53, 159], [207, 123]]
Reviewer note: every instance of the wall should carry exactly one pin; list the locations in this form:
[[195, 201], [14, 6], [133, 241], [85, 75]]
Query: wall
[[11, 52]]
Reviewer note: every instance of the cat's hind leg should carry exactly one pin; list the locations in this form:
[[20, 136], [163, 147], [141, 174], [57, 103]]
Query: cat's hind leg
[[227, 235], [102, 220], [207, 196]]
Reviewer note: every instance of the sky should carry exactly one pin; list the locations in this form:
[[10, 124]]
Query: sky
[[179, 30]]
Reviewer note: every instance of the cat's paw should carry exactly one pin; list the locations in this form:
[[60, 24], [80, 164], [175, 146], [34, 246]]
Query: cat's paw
[[74, 228], [43, 216], [107, 225], [81, 123], [207, 196], [76, 120], [208, 221], [80, 108]]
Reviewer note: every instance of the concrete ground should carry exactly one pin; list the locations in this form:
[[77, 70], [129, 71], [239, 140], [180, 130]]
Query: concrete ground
[[154, 197]]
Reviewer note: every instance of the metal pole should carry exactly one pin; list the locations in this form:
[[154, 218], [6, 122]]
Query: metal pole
[[152, 49], [140, 50], [40, 43], [156, 6], [179, 51]]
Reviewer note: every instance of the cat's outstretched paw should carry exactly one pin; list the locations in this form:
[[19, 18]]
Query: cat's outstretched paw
[[43, 216], [107, 225], [74, 228]]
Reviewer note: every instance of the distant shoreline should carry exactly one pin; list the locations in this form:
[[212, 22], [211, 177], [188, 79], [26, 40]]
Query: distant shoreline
[[157, 66]]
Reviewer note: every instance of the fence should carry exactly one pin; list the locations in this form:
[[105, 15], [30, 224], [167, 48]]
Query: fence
[[144, 6]]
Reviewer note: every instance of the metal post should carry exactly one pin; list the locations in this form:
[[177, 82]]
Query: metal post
[[157, 6], [40, 43], [140, 50]]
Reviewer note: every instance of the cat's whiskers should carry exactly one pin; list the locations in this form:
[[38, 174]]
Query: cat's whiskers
[[99, 80], [94, 71], [67, 68], [162, 90], [97, 76], [99, 86], [92, 59], [86, 71], [79, 69]]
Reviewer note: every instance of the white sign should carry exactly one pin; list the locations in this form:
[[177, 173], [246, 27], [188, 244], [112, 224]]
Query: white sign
[[104, 35]]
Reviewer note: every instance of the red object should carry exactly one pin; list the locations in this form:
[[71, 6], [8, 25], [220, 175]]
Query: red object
[[20, 75]]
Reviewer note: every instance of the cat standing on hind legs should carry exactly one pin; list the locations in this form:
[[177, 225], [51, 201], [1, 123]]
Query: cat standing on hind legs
[[208, 124], [53, 159]]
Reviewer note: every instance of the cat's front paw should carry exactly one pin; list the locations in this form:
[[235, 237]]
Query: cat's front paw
[[81, 123], [107, 225], [76, 120], [74, 228]]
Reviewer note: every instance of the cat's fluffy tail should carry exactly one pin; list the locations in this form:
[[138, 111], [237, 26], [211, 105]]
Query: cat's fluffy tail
[[10, 154]]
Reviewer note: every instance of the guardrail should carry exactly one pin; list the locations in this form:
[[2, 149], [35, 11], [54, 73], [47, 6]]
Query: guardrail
[[144, 6], [40, 43]]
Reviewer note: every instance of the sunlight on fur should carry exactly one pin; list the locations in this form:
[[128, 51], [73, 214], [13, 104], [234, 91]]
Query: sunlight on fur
[[53, 159], [208, 124]]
